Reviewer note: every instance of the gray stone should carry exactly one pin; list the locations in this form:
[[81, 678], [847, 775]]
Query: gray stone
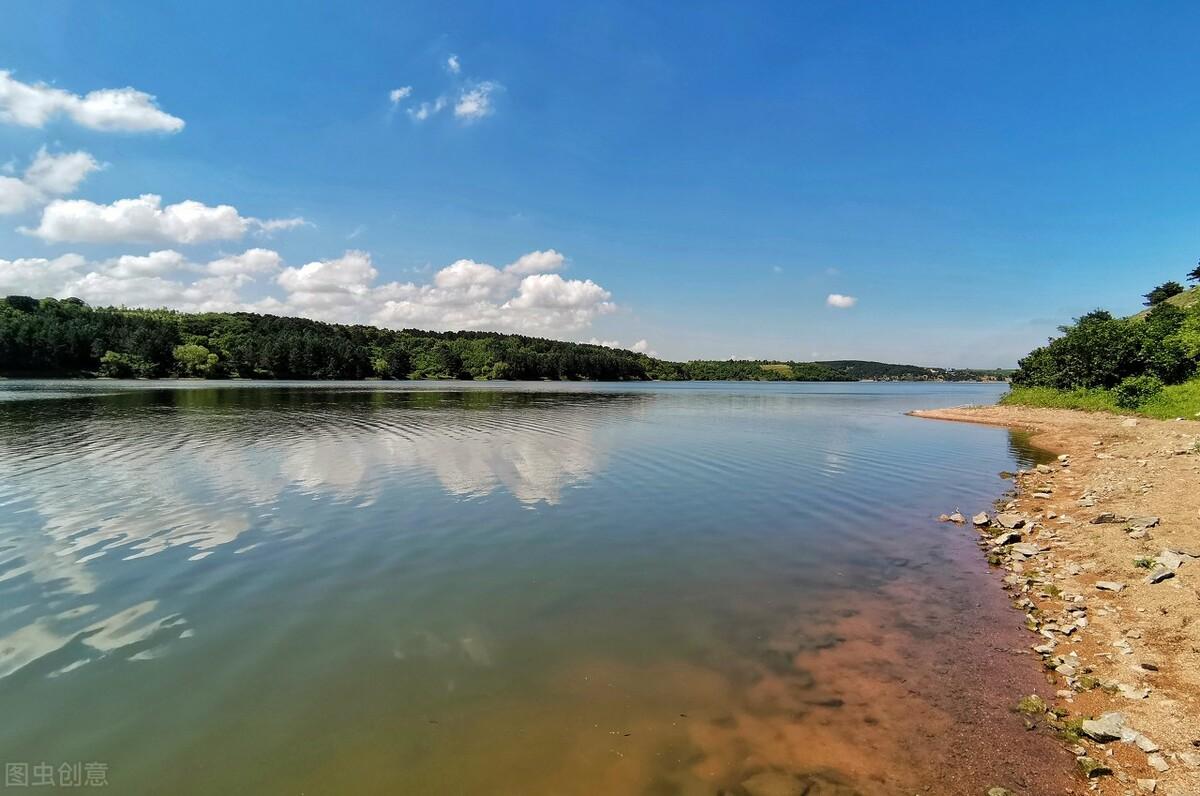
[[1106, 517], [1109, 585], [1159, 574], [1027, 549], [1145, 744], [1006, 538], [1044, 469], [1169, 559], [1142, 523], [1106, 728], [1010, 521], [1158, 763], [958, 518], [1147, 785], [981, 519]]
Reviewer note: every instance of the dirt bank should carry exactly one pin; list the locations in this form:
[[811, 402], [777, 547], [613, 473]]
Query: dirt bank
[[1102, 549]]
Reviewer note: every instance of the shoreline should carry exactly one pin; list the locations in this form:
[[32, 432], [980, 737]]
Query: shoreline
[[1101, 551]]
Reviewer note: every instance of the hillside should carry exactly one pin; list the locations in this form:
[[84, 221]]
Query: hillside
[[882, 371], [51, 337], [1185, 300], [1148, 362]]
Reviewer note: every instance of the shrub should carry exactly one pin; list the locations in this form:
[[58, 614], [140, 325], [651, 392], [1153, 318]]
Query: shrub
[[1136, 390]]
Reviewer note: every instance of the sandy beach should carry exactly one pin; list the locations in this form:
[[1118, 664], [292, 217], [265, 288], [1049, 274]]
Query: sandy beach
[[1101, 550]]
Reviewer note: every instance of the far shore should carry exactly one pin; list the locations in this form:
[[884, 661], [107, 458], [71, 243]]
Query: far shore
[[1102, 553]]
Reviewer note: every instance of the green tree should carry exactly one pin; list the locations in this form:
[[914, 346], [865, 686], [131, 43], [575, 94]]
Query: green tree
[[1194, 274], [194, 359], [1162, 293], [125, 366]]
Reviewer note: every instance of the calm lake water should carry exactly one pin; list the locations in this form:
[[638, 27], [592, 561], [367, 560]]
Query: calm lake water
[[495, 588]]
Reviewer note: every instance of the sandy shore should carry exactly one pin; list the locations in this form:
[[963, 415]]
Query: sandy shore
[[1102, 548]]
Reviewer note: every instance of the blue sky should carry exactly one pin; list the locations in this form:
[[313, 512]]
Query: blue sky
[[698, 180]]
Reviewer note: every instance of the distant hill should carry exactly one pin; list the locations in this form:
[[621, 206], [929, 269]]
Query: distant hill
[[883, 371], [53, 337]]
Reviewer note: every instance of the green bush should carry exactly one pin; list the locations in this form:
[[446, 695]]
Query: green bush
[[1134, 391]]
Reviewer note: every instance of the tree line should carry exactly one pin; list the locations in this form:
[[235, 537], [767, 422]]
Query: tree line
[[66, 337]]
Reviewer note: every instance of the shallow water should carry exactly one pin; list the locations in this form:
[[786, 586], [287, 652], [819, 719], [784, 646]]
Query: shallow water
[[498, 588]]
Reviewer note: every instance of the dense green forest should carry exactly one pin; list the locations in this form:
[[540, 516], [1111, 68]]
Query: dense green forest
[[1149, 361], [53, 337]]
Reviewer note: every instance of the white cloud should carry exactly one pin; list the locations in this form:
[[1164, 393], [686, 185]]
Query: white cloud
[[248, 263], [427, 109], [130, 266], [464, 295], [109, 109], [47, 176], [476, 102], [272, 225], [537, 262], [159, 279], [640, 347], [452, 65], [840, 301], [145, 220], [398, 95]]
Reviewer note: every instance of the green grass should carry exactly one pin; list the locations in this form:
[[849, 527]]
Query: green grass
[[1180, 400]]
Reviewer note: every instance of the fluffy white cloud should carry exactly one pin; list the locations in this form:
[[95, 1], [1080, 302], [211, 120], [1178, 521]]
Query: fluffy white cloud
[[398, 95], [464, 295], [249, 263], [109, 109], [47, 176], [145, 220], [840, 301], [476, 102], [539, 262], [132, 266], [452, 65]]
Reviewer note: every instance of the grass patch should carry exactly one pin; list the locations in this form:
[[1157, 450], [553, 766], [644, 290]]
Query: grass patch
[[1179, 400], [1050, 398]]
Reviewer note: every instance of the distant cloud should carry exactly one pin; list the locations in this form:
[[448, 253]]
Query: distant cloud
[[427, 109], [840, 301], [354, 233], [463, 295], [48, 175], [476, 102], [109, 109], [145, 220], [640, 347], [470, 99]]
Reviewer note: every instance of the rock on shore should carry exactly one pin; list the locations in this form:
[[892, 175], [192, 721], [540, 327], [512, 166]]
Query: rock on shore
[[1101, 549]]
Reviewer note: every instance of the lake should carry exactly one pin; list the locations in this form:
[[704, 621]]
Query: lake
[[513, 588]]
